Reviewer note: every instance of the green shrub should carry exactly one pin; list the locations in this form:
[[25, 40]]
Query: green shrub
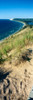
[[0, 55]]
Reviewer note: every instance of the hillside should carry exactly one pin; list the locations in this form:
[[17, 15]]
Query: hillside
[[16, 65]]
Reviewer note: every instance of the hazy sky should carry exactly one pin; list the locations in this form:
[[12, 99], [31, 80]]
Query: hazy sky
[[16, 9]]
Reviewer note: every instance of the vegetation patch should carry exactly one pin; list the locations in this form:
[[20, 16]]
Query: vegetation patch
[[16, 41]]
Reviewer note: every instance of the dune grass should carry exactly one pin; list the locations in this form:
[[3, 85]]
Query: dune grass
[[16, 41]]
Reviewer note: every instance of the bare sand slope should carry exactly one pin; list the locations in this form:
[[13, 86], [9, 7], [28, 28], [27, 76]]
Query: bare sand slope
[[17, 79]]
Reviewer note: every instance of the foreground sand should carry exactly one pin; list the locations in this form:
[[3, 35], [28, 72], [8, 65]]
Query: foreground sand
[[16, 78]]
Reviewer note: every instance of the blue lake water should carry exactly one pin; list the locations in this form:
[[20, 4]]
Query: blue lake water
[[30, 23], [8, 27]]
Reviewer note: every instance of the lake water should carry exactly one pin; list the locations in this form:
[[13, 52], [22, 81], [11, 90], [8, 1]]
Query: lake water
[[8, 27]]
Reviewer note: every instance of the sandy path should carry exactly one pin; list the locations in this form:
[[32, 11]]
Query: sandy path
[[18, 82]]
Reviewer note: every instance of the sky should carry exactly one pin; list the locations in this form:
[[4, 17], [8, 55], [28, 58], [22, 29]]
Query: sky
[[16, 9]]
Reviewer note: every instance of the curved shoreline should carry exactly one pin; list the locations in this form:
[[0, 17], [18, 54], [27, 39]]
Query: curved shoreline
[[14, 32]]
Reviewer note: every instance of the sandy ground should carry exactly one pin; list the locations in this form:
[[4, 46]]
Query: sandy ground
[[17, 79]]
